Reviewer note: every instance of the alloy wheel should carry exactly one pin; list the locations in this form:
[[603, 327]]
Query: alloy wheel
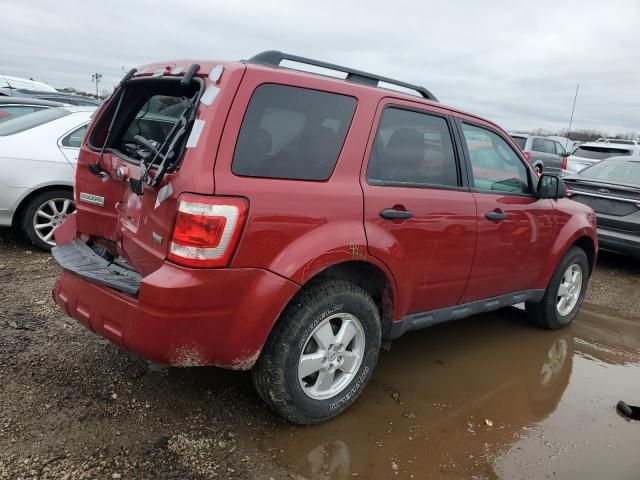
[[331, 356], [50, 216], [569, 289]]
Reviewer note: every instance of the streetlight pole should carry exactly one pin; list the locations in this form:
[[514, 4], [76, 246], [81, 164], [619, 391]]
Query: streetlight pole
[[96, 77]]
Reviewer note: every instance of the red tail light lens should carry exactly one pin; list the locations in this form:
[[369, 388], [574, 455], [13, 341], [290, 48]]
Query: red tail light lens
[[207, 230], [564, 163], [527, 155]]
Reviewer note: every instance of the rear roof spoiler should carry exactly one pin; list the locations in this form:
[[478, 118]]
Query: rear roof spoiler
[[274, 58]]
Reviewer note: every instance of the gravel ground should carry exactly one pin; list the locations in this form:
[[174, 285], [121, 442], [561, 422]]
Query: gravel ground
[[74, 406]]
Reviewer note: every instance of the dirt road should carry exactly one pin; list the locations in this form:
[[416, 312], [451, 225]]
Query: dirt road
[[486, 397]]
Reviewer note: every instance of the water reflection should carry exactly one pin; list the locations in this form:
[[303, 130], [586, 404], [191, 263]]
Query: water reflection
[[448, 401]]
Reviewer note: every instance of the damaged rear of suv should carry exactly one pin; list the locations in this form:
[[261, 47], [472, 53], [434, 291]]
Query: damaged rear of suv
[[251, 216]]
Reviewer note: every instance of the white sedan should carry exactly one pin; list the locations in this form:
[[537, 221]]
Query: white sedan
[[38, 154]]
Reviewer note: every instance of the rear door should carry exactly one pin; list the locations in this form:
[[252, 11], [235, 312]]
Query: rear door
[[553, 163], [419, 214], [516, 229], [538, 153]]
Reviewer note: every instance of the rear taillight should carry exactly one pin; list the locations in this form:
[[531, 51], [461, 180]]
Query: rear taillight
[[564, 163], [527, 155], [207, 230]]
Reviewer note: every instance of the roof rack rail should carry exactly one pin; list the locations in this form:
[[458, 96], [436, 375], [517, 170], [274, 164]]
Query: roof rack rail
[[274, 57]]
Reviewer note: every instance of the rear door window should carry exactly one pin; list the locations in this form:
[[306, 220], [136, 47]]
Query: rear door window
[[74, 139], [412, 148], [292, 133], [549, 147], [537, 145]]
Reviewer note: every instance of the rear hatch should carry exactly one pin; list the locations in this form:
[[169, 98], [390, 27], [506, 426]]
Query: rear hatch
[[586, 155], [146, 146]]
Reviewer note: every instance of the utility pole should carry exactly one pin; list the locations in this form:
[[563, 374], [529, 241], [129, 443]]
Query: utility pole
[[571, 119], [96, 77]]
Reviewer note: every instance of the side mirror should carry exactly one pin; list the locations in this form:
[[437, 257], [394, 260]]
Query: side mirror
[[550, 186]]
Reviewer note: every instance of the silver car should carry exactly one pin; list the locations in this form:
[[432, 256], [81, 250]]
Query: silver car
[[38, 153], [589, 153], [545, 154]]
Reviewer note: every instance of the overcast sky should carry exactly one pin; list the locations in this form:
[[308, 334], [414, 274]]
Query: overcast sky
[[516, 63]]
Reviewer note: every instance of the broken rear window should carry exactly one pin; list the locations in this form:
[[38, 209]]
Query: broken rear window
[[152, 121]]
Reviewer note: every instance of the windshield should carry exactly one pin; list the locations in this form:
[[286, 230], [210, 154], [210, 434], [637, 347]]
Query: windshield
[[521, 141], [599, 153], [31, 120], [614, 171]]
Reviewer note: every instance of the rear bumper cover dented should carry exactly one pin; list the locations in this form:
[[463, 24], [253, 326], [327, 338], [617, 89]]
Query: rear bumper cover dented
[[182, 316]]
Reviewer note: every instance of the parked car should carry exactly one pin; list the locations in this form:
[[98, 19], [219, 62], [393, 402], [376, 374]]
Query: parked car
[[617, 140], [269, 230], [590, 153], [67, 98], [545, 154], [38, 153], [612, 188], [8, 84], [12, 107]]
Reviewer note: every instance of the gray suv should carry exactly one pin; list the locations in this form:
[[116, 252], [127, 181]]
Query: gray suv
[[543, 153]]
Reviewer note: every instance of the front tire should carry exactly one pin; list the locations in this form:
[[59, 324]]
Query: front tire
[[43, 214], [320, 354], [564, 294]]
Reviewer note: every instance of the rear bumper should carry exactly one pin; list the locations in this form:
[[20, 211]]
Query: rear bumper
[[182, 316], [616, 241]]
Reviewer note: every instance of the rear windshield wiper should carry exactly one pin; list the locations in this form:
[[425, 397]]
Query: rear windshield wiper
[[167, 160]]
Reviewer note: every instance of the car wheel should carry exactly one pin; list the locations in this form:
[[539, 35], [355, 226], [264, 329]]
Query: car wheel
[[43, 214], [320, 354], [564, 294]]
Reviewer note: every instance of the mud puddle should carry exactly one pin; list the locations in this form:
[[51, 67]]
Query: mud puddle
[[488, 397]]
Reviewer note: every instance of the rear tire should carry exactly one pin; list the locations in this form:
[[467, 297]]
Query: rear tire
[[43, 214], [564, 294], [320, 354]]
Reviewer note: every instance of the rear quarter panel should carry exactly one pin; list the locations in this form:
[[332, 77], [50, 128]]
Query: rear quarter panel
[[298, 228]]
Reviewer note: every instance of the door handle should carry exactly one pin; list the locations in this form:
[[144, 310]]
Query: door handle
[[394, 214], [496, 215]]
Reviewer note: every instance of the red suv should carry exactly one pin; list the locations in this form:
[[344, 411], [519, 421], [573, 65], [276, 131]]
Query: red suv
[[252, 216]]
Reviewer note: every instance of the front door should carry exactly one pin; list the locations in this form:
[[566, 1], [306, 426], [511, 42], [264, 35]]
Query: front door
[[516, 229], [420, 217]]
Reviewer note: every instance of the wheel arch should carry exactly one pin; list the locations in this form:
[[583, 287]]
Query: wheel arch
[[24, 201], [586, 243], [372, 278], [583, 237]]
